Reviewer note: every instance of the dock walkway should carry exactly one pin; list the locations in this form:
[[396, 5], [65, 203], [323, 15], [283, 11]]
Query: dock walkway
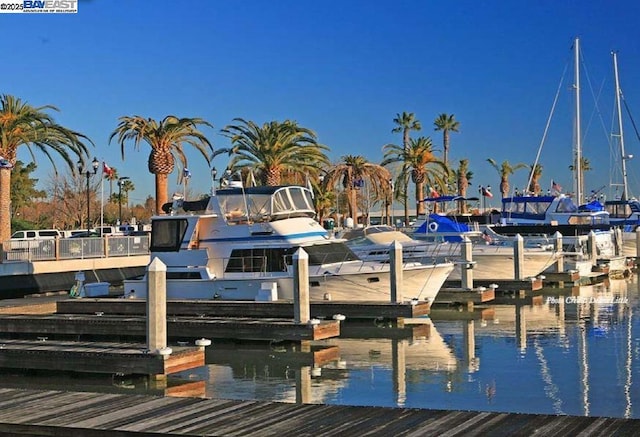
[[35, 412]]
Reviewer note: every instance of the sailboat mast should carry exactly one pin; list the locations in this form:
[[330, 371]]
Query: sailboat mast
[[578, 152], [623, 157]]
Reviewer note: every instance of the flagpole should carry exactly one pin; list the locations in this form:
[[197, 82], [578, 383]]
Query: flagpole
[[102, 199]]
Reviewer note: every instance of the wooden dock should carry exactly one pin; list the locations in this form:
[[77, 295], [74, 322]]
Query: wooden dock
[[54, 355], [461, 295], [117, 326], [530, 284], [222, 308], [35, 412]]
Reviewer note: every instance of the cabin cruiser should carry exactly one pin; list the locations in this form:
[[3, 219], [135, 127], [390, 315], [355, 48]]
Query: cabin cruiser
[[374, 241], [625, 214], [239, 244], [492, 254]]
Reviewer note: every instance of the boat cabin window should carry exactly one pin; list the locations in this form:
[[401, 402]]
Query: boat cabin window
[[566, 205], [618, 210], [257, 260], [167, 234], [259, 204]]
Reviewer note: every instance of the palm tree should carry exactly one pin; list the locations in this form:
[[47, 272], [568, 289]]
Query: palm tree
[[505, 170], [585, 165], [419, 161], [354, 172], [534, 177], [112, 176], [405, 123], [463, 176], [446, 123], [24, 125], [275, 148], [166, 140]]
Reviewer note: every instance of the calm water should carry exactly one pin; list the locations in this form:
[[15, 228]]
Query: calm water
[[573, 354]]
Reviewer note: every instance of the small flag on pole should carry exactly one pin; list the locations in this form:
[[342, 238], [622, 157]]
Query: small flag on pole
[[486, 192], [108, 171]]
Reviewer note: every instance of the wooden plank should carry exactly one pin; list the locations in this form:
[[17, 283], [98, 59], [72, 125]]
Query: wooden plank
[[99, 414]]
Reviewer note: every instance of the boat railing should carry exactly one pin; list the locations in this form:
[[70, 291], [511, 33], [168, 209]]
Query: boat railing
[[74, 248]]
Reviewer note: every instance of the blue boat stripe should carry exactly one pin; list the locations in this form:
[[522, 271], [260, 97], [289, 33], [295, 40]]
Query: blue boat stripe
[[265, 237]]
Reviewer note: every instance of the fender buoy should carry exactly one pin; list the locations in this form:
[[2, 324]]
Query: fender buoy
[[433, 226]]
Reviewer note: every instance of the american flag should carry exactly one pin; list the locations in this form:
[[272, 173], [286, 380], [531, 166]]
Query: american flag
[[486, 192], [108, 171]]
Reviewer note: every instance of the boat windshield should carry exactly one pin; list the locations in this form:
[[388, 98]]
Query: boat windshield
[[260, 204], [168, 234]]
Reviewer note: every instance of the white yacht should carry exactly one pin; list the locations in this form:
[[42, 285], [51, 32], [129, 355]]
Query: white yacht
[[239, 243]]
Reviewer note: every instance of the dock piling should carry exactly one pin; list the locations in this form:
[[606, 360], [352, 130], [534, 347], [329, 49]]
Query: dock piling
[[518, 258], [557, 246], [157, 307], [395, 261], [466, 274], [301, 309]]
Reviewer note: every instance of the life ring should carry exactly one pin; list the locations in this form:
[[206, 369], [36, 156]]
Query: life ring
[[433, 227]]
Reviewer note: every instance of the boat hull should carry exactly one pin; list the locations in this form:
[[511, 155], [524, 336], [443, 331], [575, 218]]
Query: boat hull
[[350, 283]]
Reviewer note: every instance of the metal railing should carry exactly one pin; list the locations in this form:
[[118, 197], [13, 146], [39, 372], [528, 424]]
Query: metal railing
[[73, 248]]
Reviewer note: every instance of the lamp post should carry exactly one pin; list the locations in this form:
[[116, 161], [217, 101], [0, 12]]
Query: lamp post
[[214, 173], [186, 175], [95, 164], [120, 183]]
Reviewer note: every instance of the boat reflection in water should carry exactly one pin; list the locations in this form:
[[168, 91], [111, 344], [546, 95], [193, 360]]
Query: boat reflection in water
[[322, 371]]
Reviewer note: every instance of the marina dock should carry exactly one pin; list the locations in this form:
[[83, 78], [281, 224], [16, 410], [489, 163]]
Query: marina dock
[[34, 412], [94, 357], [269, 309]]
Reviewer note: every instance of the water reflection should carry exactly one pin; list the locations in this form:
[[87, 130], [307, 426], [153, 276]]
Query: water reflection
[[567, 351]]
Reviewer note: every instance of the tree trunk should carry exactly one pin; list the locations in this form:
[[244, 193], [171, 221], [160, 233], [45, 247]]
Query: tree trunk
[[420, 209], [5, 204], [162, 192]]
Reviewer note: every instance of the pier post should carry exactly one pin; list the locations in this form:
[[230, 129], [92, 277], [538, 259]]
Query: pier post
[[466, 273], [618, 240], [301, 310], [395, 263], [156, 306], [557, 247], [518, 258], [592, 248]]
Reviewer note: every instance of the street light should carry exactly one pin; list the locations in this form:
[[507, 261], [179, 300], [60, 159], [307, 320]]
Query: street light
[[186, 174], [214, 173], [95, 164], [120, 183]]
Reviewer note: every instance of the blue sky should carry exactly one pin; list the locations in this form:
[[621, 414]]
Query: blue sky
[[341, 68]]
